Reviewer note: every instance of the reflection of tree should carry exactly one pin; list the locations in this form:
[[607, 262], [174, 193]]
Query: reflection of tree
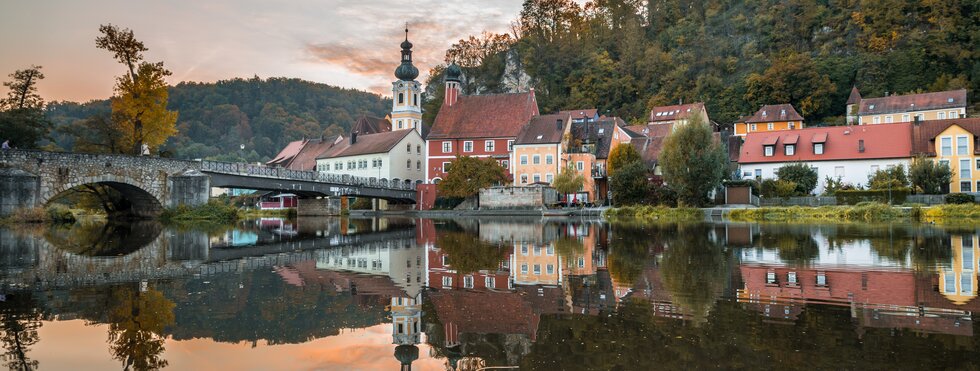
[[19, 321], [693, 270], [630, 249], [136, 323], [569, 248], [794, 248], [468, 253]]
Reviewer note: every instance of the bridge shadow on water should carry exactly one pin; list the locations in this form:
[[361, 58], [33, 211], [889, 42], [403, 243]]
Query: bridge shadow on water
[[103, 239]]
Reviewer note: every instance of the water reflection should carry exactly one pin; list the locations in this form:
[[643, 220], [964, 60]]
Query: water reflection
[[465, 294]]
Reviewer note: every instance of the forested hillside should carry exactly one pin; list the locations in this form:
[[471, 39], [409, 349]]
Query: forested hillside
[[215, 119], [624, 56]]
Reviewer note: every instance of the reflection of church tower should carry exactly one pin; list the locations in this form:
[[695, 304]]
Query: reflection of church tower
[[406, 107], [408, 266]]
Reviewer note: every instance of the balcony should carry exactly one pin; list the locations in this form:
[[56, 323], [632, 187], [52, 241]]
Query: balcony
[[598, 172]]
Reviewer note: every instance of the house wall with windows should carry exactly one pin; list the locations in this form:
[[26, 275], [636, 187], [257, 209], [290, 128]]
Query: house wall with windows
[[855, 172], [405, 160], [536, 264], [926, 115], [535, 163], [958, 280], [443, 151], [742, 128], [956, 147]]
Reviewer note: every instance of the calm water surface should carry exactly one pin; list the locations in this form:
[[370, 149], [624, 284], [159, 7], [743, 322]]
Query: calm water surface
[[389, 294]]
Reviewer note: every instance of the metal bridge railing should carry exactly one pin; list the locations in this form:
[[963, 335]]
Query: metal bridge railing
[[313, 176]]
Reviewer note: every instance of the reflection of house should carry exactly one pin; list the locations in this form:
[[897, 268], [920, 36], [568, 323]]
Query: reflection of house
[[536, 264], [442, 275], [958, 278]]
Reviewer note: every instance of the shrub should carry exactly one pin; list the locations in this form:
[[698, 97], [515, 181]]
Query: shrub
[[928, 176], [214, 210], [959, 198], [895, 196], [893, 177], [60, 214], [832, 185], [802, 175], [651, 213]]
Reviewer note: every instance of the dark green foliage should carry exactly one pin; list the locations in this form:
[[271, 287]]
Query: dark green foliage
[[468, 175], [959, 198], [217, 118], [621, 156], [928, 176], [693, 162], [24, 128], [802, 175], [215, 210], [893, 177], [630, 185], [854, 197]]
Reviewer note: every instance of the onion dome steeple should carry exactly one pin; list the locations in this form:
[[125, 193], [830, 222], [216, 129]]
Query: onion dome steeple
[[453, 72], [406, 71]]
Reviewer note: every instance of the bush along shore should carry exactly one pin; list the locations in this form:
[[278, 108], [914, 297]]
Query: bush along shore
[[646, 213], [57, 214], [865, 212]]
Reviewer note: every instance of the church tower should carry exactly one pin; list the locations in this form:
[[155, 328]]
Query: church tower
[[406, 97]]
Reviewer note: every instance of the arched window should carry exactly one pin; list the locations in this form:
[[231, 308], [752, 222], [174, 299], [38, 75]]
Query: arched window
[[418, 165], [415, 99], [401, 98]]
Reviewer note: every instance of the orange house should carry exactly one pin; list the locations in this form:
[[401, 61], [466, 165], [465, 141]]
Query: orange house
[[771, 118]]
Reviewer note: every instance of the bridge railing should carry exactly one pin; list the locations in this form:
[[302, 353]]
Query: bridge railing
[[314, 176]]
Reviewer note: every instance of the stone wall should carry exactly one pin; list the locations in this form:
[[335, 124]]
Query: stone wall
[[318, 207], [516, 197]]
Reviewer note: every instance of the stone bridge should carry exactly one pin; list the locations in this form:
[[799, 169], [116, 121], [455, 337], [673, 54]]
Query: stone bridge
[[33, 178]]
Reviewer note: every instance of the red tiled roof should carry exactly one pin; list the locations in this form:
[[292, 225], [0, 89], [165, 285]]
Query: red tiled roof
[[791, 139], [855, 96], [367, 144], [775, 112], [913, 102], [485, 116], [652, 130], [576, 114], [671, 113], [842, 142], [543, 130], [924, 134], [287, 153], [371, 125], [306, 158], [649, 149], [819, 137]]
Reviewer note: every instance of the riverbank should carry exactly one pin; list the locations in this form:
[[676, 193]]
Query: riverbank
[[646, 213], [862, 213]]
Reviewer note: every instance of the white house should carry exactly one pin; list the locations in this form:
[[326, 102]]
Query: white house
[[850, 153], [395, 156]]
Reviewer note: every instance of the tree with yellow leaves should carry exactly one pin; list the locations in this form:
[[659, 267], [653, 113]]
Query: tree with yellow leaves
[[139, 107]]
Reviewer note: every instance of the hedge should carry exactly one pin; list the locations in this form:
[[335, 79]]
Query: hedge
[[853, 197], [959, 198]]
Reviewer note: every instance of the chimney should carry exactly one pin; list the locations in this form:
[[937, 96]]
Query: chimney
[[452, 93], [861, 145], [558, 124], [353, 137]]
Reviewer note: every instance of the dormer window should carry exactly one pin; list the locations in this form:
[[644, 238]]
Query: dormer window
[[769, 150], [818, 148], [871, 107], [763, 113], [949, 100], [789, 149]]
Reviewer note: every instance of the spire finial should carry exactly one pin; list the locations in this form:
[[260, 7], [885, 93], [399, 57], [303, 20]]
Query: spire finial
[[406, 31]]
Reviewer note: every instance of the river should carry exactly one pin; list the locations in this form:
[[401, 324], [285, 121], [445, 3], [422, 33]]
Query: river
[[563, 294]]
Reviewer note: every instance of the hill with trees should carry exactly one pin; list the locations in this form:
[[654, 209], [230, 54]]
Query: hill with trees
[[215, 119], [626, 56]]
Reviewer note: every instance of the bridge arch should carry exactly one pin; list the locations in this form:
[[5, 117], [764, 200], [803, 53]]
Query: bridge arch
[[144, 201]]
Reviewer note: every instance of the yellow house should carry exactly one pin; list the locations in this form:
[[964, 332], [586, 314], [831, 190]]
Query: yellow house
[[958, 280], [942, 105], [538, 149], [953, 143], [536, 264], [587, 152], [773, 117]]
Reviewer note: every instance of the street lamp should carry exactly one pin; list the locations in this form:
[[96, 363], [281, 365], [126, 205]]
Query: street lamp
[[241, 151]]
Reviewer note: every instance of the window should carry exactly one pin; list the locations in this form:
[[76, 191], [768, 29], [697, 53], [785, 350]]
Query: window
[[408, 164], [818, 148], [758, 173], [524, 268], [872, 106], [380, 162], [769, 126], [920, 116], [752, 127], [950, 280], [489, 282], [537, 269], [523, 159], [941, 115], [888, 119], [580, 165], [447, 147], [446, 166], [536, 159], [468, 146], [549, 159], [524, 248], [418, 149], [769, 150], [839, 171], [400, 124], [447, 282], [550, 250], [581, 262], [338, 166], [550, 269], [978, 164], [965, 186], [488, 146], [967, 246], [962, 145], [468, 282], [401, 98], [523, 178], [946, 146], [944, 163], [510, 145], [790, 149], [821, 279], [415, 99], [537, 178], [965, 172], [791, 277], [770, 278], [876, 120], [549, 178], [905, 118], [792, 125], [505, 164], [952, 114]]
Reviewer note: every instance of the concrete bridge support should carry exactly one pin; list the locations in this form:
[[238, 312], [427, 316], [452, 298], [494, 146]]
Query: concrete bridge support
[[318, 207], [18, 189]]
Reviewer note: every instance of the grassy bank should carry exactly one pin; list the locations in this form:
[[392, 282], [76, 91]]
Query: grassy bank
[[655, 213], [968, 213], [213, 211], [38, 215], [864, 212]]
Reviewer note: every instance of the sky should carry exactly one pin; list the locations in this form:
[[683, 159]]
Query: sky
[[347, 43]]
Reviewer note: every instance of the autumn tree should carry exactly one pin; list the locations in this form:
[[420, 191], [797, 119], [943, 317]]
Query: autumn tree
[[467, 175], [473, 51], [693, 162], [22, 120], [568, 181], [792, 78], [139, 107], [137, 319], [468, 253], [621, 156]]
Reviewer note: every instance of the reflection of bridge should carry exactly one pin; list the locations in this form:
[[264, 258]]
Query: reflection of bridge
[[32, 261], [32, 178]]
